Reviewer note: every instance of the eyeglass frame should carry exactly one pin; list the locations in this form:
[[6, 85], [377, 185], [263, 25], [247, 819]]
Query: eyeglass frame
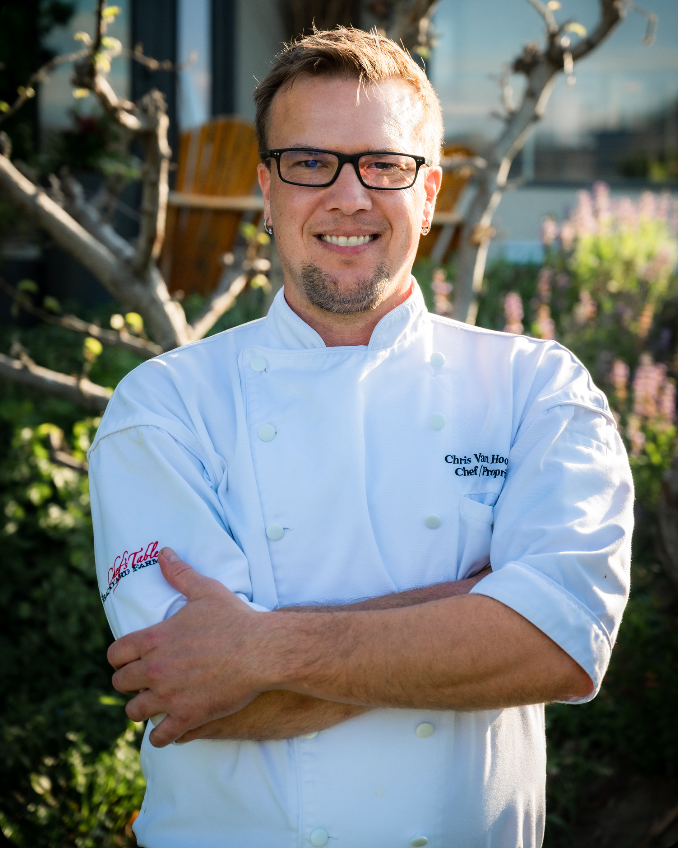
[[344, 158]]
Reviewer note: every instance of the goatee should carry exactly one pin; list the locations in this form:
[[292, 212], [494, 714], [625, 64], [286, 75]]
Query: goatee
[[325, 292]]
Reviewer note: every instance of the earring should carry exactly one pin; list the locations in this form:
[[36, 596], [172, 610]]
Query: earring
[[426, 229], [268, 227]]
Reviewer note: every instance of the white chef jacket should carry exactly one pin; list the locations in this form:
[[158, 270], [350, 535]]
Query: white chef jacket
[[296, 473]]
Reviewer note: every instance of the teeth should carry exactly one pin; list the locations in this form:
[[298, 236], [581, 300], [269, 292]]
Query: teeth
[[347, 241]]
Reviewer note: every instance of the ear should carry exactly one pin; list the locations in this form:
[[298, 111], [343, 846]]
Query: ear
[[264, 177], [432, 183]]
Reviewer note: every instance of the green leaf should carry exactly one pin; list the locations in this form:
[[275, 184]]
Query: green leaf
[[117, 322], [111, 43], [4, 106], [103, 62], [51, 304], [111, 12], [91, 348], [135, 322], [28, 286], [576, 28], [111, 701]]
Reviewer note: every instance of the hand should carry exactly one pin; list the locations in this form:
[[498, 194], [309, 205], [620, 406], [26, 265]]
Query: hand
[[203, 663], [276, 715]]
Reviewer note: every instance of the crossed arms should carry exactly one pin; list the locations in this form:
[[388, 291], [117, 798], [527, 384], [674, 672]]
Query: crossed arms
[[223, 671]]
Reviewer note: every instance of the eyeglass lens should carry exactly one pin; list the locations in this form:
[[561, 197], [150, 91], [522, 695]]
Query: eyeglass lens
[[378, 170]]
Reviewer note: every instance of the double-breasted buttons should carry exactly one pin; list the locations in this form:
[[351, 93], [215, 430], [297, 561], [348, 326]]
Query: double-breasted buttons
[[437, 421], [267, 432], [437, 359], [275, 532], [319, 837], [424, 730], [258, 363], [432, 521]]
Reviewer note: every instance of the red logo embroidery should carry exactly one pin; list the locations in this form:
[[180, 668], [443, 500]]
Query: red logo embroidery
[[130, 562]]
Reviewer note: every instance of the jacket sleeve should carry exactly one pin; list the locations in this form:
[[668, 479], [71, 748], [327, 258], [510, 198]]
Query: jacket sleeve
[[148, 490], [561, 544]]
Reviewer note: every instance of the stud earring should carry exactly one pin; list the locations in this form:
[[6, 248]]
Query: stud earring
[[268, 227]]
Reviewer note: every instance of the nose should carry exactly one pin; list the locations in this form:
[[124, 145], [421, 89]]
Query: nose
[[347, 194]]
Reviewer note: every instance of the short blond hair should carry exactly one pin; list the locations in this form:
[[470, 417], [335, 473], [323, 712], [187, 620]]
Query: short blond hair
[[353, 54]]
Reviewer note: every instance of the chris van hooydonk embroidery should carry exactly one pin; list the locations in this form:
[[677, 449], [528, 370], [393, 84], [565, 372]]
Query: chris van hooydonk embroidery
[[465, 468], [129, 562]]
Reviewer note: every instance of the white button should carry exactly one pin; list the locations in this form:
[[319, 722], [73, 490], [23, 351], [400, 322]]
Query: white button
[[276, 532], [437, 421], [432, 521], [319, 837], [267, 432], [310, 735], [424, 730], [437, 361], [419, 842], [258, 363], [157, 718]]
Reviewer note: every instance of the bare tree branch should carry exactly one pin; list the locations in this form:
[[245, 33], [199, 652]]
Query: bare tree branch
[[155, 185], [80, 391], [148, 296], [547, 15], [408, 22], [111, 338], [38, 77], [59, 456], [541, 68], [649, 16], [221, 301], [86, 214]]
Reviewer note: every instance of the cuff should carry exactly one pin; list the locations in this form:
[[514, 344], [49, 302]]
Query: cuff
[[556, 612], [251, 604]]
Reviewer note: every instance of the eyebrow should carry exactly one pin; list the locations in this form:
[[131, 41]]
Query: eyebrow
[[372, 149]]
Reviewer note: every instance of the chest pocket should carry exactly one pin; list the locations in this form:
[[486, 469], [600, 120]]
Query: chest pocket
[[475, 535]]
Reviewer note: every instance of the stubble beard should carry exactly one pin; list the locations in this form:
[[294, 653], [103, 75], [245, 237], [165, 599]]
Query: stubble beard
[[325, 291]]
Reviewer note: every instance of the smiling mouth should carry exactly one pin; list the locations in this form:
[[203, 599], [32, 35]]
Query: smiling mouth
[[348, 241]]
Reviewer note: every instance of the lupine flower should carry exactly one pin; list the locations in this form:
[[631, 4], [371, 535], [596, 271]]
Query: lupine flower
[[667, 402], [568, 234], [645, 320], [441, 293], [544, 284], [513, 310], [649, 387], [549, 231], [619, 377], [636, 435], [586, 309], [545, 324]]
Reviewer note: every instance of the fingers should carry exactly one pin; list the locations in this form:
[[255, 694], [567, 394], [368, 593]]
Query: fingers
[[131, 678], [169, 730], [183, 578], [125, 650]]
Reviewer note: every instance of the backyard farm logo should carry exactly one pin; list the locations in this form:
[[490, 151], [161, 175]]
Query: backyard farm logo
[[130, 562]]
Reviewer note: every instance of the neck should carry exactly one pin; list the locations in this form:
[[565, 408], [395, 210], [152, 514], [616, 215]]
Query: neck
[[345, 330]]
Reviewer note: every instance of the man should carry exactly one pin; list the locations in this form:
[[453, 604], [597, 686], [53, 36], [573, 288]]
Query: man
[[355, 464]]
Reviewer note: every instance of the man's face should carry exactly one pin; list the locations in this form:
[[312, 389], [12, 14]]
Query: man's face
[[334, 114]]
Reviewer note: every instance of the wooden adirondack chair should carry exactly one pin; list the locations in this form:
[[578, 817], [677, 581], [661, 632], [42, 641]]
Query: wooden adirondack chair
[[440, 243], [215, 178]]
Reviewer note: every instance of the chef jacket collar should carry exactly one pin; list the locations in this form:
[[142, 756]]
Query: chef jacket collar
[[395, 327]]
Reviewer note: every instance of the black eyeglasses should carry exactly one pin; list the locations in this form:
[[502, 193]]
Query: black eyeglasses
[[320, 168]]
